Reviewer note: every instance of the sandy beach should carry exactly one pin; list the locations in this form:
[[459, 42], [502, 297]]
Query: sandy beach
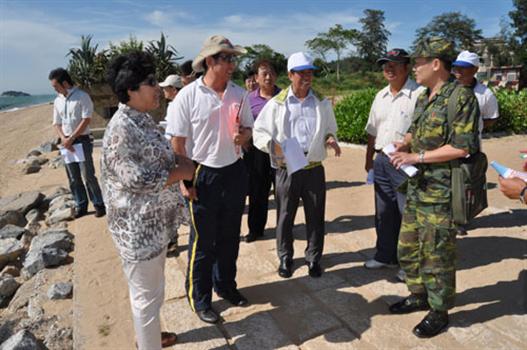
[[344, 309]]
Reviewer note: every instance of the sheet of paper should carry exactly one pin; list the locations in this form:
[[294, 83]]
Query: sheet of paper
[[294, 156], [73, 157], [409, 170]]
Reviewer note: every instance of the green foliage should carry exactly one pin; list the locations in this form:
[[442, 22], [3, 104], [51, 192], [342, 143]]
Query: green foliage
[[453, 26], [125, 47], [263, 52], [165, 57], [513, 111], [373, 37], [336, 39], [86, 66], [352, 114], [329, 86]]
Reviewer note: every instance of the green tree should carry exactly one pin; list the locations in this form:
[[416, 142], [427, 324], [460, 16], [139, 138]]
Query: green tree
[[86, 66], [259, 52], [519, 36], [453, 26], [336, 39], [125, 46], [165, 57], [373, 37]]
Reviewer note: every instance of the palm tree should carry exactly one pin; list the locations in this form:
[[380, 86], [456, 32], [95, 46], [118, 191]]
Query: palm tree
[[86, 66], [165, 57]]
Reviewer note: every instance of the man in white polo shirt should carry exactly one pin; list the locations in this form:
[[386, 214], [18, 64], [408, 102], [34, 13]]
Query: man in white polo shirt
[[390, 117], [72, 111], [216, 114], [465, 68], [299, 112]]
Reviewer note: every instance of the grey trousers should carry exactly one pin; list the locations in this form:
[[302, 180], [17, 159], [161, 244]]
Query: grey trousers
[[310, 185]]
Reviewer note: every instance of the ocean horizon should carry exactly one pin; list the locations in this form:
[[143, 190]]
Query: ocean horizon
[[13, 103]]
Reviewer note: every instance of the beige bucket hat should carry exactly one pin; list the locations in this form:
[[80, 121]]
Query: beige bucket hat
[[213, 45]]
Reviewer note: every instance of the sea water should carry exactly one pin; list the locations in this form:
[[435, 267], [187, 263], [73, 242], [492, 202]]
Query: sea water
[[9, 103]]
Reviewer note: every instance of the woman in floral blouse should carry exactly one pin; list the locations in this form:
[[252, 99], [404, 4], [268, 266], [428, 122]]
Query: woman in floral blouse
[[139, 176]]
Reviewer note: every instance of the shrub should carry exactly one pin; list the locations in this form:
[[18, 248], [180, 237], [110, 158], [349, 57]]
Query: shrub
[[352, 114], [513, 111]]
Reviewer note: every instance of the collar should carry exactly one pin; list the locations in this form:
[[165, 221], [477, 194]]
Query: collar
[[129, 111], [406, 89], [291, 95]]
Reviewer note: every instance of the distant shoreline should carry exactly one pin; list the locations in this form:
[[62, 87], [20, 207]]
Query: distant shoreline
[[14, 109]]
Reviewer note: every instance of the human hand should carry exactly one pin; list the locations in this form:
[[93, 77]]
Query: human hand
[[368, 165], [511, 188], [68, 144], [242, 137], [189, 193], [331, 142], [403, 158], [401, 146]]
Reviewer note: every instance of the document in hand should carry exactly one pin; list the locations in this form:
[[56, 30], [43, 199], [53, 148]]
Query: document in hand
[[294, 156], [410, 170], [73, 157]]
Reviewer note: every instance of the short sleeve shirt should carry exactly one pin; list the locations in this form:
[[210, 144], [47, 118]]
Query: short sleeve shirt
[[488, 105], [391, 115], [211, 122], [430, 131], [258, 102], [69, 111]]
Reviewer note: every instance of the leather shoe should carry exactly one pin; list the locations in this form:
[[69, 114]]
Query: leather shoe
[[234, 297], [314, 269], [285, 268], [414, 302], [208, 316], [80, 213], [432, 324], [251, 237], [168, 339], [100, 211]]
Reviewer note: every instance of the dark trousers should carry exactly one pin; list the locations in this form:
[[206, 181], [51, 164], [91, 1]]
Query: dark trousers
[[310, 185], [389, 208], [215, 234], [86, 168], [261, 175]]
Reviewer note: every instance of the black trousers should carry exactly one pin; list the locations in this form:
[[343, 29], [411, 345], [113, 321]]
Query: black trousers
[[389, 208], [310, 185], [215, 235], [261, 175]]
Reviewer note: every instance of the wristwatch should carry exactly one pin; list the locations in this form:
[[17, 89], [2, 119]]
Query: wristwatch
[[422, 157], [522, 195]]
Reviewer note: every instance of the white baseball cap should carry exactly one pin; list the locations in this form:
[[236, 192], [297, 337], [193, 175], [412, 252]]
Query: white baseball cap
[[299, 61], [466, 59], [172, 80]]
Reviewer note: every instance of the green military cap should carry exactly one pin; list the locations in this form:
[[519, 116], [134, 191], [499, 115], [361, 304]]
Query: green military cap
[[435, 47]]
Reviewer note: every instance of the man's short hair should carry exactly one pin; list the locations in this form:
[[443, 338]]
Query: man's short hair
[[264, 63], [186, 68], [60, 75], [127, 71]]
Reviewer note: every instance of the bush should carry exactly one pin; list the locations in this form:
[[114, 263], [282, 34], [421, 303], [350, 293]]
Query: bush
[[513, 111], [352, 114]]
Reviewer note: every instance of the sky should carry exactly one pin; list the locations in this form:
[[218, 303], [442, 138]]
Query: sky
[[35, 36]]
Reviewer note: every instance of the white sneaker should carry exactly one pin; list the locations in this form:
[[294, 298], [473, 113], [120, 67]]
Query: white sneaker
[[374, 264], [401, 275]]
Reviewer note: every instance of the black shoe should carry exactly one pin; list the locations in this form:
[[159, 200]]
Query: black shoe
[[314, 269], [100, 211], [80, 213], [432, 324], [412, 303], [285, 268], [172, 250], [251, 237], [208, 316], [234, 297]]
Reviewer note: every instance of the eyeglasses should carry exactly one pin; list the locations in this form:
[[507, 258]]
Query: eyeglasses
[[229, 58], [150, 81]]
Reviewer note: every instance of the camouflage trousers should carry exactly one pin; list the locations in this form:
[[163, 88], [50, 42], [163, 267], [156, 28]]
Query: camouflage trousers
[[427, 251]]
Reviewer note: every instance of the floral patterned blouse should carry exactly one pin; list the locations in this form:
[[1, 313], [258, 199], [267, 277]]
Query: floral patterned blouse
[[142, 212]]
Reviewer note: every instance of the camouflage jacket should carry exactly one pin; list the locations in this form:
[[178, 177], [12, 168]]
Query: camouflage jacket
[[430, 130]]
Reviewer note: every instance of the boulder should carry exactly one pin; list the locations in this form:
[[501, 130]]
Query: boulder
[[22, 340], [21, 202], [60, 290], [10, 250], [33, 216], [12, 217], [10, 270], [54, 256], [31, 167], [35, 152], [49, 146], [56, 162], [61, 202], [12, 231], [59, 191], [61, 214], [8, 287], [34, 310], [59, 239]]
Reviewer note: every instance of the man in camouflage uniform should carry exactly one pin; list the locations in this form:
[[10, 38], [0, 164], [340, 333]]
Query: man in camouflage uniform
[[427, 246]]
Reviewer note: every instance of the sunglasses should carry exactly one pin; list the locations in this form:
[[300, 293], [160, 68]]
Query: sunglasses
[[227, 58], [150, 81]]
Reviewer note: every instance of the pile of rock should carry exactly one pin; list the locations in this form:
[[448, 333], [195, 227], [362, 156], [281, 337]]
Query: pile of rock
[[36, 158], [34, 238]]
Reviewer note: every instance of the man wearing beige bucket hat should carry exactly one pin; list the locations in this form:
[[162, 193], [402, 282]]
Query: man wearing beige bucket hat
[[215, 113]]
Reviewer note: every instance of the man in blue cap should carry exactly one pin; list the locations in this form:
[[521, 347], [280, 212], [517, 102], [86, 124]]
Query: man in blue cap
[[298, 112]]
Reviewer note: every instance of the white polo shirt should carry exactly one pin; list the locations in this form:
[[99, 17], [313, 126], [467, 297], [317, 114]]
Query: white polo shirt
[[200, 114], [488, 105], [302, 118], [69, 111], [391, 115]]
